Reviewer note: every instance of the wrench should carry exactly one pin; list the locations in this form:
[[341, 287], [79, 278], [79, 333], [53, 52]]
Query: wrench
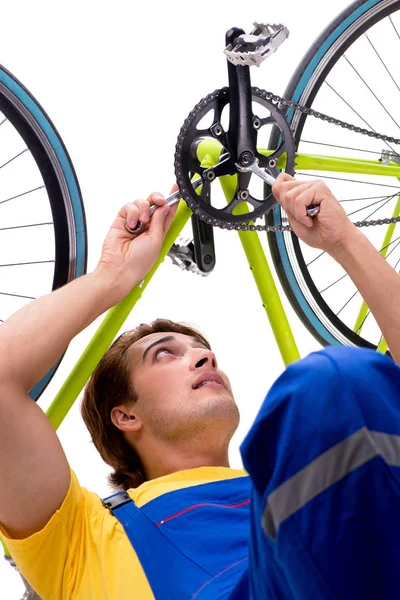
[[253, 167], [172, 199]]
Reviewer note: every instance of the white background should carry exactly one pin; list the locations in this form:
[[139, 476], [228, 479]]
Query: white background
[[118, 79]]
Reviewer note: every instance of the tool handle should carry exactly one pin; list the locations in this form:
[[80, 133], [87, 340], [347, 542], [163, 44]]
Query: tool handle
[[172, 199]]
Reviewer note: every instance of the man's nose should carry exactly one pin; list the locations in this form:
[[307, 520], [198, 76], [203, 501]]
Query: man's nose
[[202, 357]]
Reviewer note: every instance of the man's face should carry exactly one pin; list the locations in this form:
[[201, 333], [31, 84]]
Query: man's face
[[181, 391]]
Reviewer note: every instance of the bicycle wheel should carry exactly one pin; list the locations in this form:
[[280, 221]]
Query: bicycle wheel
[[42, 220], [351, 73]]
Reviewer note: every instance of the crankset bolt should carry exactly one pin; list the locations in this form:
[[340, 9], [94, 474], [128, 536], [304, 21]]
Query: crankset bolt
[[208, 259], [272, 163], [217, 129], [256, 123], [245, 158], [243, 194], [210, 175]]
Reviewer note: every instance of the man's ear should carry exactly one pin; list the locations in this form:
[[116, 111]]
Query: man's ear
[[125, 418]]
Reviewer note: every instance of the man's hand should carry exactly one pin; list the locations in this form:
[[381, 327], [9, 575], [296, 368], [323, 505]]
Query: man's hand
[[128, 257], [330, 228]]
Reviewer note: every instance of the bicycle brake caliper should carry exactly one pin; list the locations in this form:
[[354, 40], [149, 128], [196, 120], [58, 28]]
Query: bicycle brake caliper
[[252, 49]]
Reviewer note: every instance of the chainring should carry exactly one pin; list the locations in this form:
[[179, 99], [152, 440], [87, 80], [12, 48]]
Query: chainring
[[187, 163]]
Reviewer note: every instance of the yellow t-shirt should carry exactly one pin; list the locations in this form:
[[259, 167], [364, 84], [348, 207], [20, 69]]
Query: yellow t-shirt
[[83, 552]]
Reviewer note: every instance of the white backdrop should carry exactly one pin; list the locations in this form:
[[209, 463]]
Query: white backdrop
[[118, 79]]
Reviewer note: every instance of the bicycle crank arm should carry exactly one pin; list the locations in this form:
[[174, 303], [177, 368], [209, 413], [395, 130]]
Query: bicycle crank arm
[[172, 199], [253, 167]]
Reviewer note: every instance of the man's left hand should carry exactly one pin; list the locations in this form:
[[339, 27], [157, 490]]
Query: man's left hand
[[329, 228]]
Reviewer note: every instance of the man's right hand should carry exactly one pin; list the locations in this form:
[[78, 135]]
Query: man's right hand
[[128, 257], [34, 473]]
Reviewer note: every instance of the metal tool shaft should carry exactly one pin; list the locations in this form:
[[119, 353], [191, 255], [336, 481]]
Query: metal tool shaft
[[253, 167], [172, 199]]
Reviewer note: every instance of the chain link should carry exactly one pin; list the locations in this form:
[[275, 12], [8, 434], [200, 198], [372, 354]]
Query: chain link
[[274, 98]]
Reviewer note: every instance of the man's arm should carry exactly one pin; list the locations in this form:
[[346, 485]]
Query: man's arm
[[332, 231], [34, 473]]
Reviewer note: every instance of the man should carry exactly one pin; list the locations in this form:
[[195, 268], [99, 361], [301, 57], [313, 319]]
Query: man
[[323, 454]]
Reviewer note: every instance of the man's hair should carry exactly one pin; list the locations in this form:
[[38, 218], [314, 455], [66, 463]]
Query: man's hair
[[111, 385]]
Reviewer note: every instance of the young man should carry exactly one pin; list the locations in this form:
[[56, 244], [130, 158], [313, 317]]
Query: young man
[[323, 454]]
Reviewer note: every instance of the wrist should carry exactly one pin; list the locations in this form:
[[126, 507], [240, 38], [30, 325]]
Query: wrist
[[349, 244], [113, 284]]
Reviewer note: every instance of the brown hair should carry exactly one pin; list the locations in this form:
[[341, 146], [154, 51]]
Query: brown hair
[[111, 385]]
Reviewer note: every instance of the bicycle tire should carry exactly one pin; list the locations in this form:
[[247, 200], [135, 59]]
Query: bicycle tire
[[304, 86], [48, 151]]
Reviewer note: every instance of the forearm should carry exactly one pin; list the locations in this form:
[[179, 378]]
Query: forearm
[[34, 338], [378, 283]]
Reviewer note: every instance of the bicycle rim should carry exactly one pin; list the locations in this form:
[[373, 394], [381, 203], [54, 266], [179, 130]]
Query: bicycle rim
[[338, 77], [42, 220]]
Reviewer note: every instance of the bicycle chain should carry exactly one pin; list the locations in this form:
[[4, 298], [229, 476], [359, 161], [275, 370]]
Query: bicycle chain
[[274, 98]]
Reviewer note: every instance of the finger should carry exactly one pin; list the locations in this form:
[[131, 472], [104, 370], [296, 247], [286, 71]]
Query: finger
[[284, 177], [290, 191], [174, 188], [143, 207], [156, 198], [170, 217], [156, 229], [288, 187], [283, 182], [299, 206], [130, 214]]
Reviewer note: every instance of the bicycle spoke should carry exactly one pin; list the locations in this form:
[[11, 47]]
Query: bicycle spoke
[[17, 296], [383, 63], [13, 158], [346, 275], [24, 226], [316, 258], [376, 210], [348, 302], [342, 147], [394, 27], [372, 92], [318, 176], [358, 114], [389, 244], [366, 198], [362, 322], [41, 187], [381, 250], [35, 262], [369, 312], [3, 121], [385, 201]]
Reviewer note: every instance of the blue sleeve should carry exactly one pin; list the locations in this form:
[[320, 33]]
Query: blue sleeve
[[324, 457]]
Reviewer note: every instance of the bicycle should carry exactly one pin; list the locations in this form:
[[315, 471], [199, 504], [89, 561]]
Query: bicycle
[[288, 123]]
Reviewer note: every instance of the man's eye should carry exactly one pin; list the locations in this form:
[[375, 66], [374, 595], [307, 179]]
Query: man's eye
[[161, 351]]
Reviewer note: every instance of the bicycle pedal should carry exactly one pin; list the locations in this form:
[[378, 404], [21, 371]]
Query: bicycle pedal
[[251, 49], [182, 255]]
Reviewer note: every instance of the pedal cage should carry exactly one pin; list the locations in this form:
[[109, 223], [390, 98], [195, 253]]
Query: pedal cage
[[251, 49]]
